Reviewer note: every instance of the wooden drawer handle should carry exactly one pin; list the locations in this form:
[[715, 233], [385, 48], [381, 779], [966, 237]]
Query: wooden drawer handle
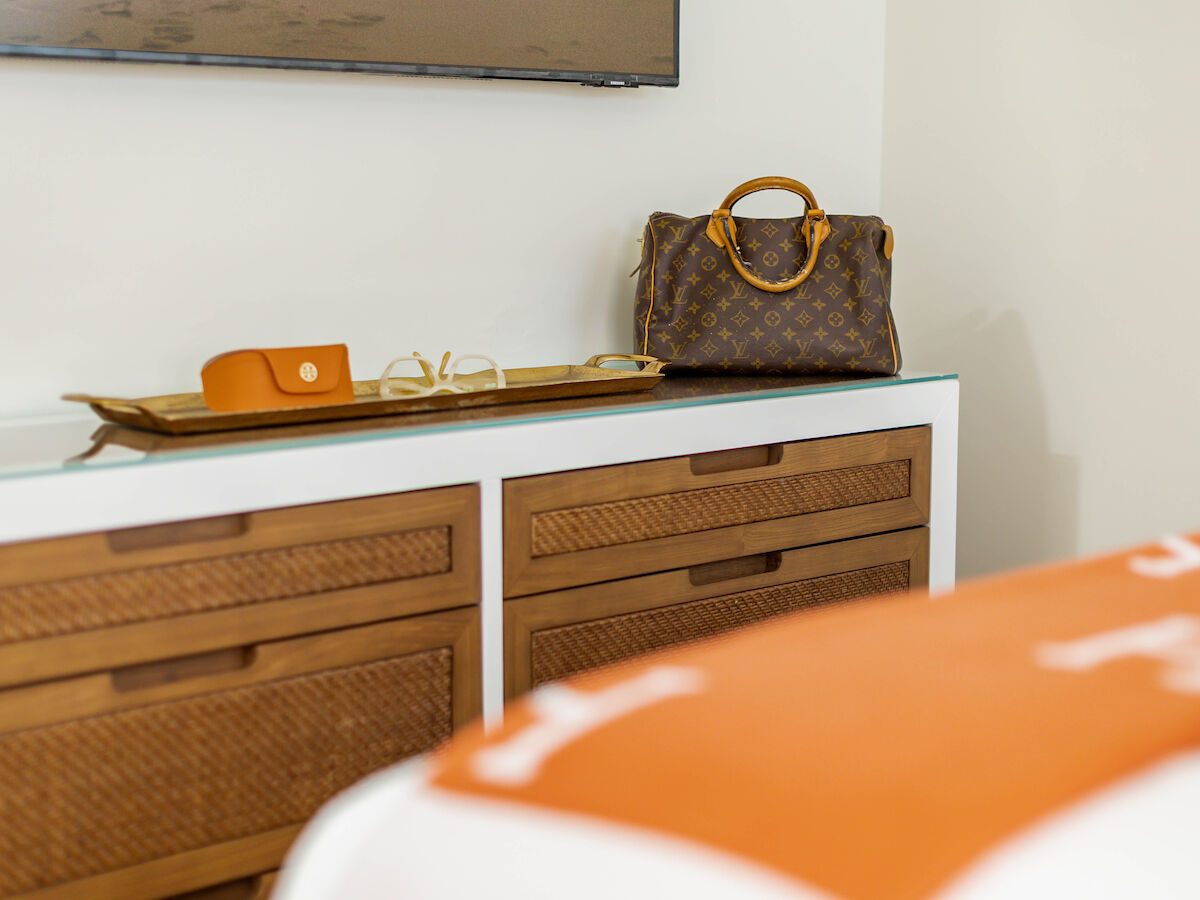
[[256, 887], [729, 569], [148, 537], [733, 460], [181, 668]]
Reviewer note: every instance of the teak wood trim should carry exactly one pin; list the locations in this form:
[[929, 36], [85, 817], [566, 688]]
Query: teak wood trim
[[525, 615], [524, 497], [173, 875], [466, 700], [96, 694], [197, 539]]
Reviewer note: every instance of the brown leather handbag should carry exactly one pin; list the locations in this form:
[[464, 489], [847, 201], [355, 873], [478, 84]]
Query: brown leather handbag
[[807, 295]]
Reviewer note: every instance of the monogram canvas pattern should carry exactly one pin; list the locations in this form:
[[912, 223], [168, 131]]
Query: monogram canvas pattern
[[695, 310]]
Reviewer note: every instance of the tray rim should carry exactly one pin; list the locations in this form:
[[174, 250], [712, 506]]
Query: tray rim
[[135, 413]]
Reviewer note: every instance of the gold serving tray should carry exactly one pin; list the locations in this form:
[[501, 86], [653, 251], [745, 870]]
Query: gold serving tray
[[187, 414]]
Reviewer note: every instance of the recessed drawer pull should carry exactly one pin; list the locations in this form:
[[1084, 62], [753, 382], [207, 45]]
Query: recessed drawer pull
[[127, 540], [182, 668], [729, 569], [738, 458], [254, 888]]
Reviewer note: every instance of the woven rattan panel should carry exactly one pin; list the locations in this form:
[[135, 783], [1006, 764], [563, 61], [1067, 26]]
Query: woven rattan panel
[[562, 651], [99, 794], [118, 598], [684, 512]]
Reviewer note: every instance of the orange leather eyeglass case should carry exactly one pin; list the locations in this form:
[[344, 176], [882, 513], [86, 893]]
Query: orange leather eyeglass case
[[277, 378]]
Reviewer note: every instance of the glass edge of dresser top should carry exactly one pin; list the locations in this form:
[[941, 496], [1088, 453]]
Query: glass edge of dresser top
[[59, 444]]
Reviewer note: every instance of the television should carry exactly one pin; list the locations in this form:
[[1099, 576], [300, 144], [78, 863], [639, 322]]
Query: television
[[609, 43]]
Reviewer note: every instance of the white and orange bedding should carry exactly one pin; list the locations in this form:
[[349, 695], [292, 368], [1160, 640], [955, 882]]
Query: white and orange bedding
[[1033, 736]]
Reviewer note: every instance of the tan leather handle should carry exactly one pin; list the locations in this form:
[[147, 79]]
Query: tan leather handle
[[721, 231], [816, 230], [773, 182]]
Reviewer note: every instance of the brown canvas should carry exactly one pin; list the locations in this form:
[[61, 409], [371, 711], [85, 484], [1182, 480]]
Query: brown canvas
[[698, 311]]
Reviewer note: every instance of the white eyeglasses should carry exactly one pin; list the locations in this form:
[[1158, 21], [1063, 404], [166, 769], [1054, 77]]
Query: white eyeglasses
[[440, 382]]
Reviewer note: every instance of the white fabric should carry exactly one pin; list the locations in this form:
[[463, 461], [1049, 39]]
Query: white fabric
[[392, 836]]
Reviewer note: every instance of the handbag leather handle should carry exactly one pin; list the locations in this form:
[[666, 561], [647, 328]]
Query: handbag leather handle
[[773, 182], [722, 232]]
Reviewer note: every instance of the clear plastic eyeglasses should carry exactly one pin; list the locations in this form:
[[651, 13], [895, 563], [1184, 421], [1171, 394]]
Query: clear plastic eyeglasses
[[445, 380]]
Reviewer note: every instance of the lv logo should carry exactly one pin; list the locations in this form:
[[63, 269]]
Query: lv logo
[[739, 292], [677, 349], [677, 230], [868, 345], [861, 288], [860, 230], [739, 348], [805, 349]]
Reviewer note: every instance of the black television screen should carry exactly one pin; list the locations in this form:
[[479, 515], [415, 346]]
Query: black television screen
[[603, 42]]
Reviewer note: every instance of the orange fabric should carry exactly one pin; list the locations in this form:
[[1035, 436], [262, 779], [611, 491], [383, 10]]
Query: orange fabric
[[875, 749], [277, 378]]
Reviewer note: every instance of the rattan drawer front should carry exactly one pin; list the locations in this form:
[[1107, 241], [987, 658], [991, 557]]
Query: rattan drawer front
[[558, 652], [572, 528], [551, 636], [89, 602], [665, 515], [106, 773], [353, 561]]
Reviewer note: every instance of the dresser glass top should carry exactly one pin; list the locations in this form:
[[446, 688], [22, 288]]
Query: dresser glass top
[[84, 442]]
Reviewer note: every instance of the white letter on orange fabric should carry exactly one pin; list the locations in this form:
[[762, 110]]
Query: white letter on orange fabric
[[1185, 557], [1174, 640], [565, 714]]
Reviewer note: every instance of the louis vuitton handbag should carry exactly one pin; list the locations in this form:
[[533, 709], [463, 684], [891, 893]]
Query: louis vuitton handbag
[[807, 295]]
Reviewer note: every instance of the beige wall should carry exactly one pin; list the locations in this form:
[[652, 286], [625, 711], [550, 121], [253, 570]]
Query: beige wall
[[153, 216], [1040, 171]]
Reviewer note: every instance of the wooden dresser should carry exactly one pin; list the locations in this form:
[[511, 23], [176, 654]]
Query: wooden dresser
[[733, 531], [202, 640]]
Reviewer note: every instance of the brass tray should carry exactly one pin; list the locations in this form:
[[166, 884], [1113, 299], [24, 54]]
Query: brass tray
[[187, 414]]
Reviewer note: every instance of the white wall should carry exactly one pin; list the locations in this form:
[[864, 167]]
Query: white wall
[[1040, 172], [153, 216]]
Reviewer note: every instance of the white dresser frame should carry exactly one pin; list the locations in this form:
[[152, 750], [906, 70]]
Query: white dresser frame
[[82, 499]]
